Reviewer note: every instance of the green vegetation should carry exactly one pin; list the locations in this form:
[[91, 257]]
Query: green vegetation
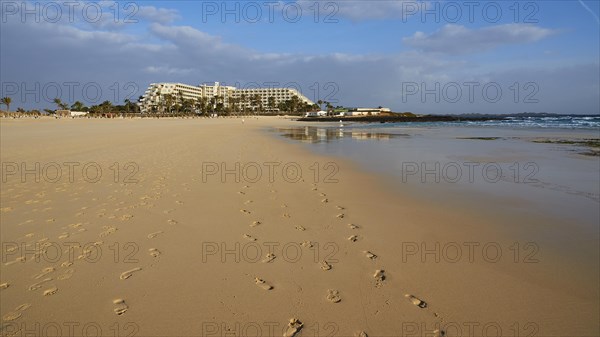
[[579, 142], [6, 101]]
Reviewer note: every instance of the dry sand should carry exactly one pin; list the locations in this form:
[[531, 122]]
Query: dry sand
[[162, 250]]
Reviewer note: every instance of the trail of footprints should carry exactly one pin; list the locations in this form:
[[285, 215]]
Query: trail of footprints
[[45, 281], [333, 295]]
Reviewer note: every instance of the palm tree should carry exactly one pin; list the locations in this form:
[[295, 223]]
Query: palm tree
[[271, 103], [243, 102], [169, 102], [320, 102], [203, 103], [260, 104], [77, 106], [233, 105], [329, 107], [256, 102], [127, 104], [137, 104], [294, 102], [179, 100], [6, 101], [60, 104], [106, 107]]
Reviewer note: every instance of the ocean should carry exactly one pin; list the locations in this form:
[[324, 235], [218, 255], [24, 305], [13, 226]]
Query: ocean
[[548, 167]]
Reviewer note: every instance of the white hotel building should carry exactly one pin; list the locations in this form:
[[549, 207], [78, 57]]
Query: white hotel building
[[154, 97]]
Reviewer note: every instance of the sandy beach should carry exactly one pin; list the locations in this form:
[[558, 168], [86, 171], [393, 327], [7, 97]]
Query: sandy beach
[[214, 227]]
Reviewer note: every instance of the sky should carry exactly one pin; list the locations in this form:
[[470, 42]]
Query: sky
[[432, 57]]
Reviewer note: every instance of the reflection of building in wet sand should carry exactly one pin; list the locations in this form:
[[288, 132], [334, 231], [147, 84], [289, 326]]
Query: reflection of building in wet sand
[[312, 134], [370, 135]]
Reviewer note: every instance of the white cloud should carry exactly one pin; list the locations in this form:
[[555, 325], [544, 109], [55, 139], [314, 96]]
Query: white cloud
[[185, 54], [160, 15], [166, 70], [457, 39], [359, 10]]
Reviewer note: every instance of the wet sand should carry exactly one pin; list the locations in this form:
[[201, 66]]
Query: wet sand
[[173, 239]]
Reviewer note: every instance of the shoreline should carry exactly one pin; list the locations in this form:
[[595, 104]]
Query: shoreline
[[179, 287]]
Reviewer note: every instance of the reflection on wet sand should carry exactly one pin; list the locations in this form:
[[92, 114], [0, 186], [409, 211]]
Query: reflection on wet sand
[[311, 134]]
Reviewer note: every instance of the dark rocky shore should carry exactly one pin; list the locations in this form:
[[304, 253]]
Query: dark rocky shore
[[400, 119]]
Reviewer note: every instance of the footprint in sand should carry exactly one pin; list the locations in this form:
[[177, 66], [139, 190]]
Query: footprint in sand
[[248, 202], [172, 222], [262, 284], [4, 285], [241, 193], [353, 238], [325, 200], [416, 301], [67, 275], [107, 231], [333, 296], [155, 234], [300, 228], [370, 255], [353, 226], [121, 307], [179, 202], [44, 272], [154, 252], [23, 307], [360, 334], [286, 215], [249, 237], [66, 264], [293, 327], [255, 223], [269, 258], [50, 291], [323, 194], [379, 277], [307, 244], [125, 217], [13, 315], [340, 216], [439, 333], [63, 236], [325, 265], [38, 285], [127, 274], [245, 211], [340, 207]]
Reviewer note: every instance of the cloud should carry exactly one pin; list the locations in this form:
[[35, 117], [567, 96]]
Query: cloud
[[173, 53], [165, 70], [159, 15], [457, 39], [359, 10]]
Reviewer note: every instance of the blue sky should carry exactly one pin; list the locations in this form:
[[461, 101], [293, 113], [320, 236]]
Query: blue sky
[[516, 56]]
